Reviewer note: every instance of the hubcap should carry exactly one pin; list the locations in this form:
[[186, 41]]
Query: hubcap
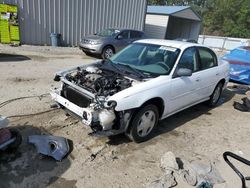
[[108, 52], [146, 123], [216, 95]]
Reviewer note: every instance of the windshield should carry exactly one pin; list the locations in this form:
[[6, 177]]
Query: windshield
[[150, 59], [108, 32]]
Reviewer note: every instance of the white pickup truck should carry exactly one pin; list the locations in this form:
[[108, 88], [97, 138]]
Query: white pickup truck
[[147, 81]]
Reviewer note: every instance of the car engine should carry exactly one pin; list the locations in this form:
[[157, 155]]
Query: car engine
[[99, 81]]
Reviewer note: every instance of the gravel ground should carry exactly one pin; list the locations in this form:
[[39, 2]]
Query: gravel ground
[[196, 134]]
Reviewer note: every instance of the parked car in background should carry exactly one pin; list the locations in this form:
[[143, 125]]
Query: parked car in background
[[147, 81], [239, 60], [109, 41]]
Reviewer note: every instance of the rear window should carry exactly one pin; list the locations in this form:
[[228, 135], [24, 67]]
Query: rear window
[[135, 34], [207, 57]]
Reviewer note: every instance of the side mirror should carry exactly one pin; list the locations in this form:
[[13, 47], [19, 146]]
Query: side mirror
[[184, 72], [119, 37]]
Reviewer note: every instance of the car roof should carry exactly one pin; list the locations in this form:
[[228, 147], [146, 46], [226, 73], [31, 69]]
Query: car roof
[[124, 29], [171, 43]]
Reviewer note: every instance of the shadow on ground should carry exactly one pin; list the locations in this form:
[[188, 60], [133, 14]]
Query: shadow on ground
[[171, 123], [26, 168], [13, 57]]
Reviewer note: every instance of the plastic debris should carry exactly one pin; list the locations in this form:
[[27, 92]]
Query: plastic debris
[[3, 121], [193, 173], [165, 181], [54, 146], [168, 162], [205, 185], [244, 107]]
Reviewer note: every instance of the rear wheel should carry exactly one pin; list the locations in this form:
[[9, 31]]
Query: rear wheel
[[215, 97], [143, 123], [107, 52]]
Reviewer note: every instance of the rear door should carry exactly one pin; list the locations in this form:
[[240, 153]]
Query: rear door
[[210, 73]]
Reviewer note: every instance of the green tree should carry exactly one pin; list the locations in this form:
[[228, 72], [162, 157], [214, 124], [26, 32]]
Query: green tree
[[156, 2], [228, 18], [220, 17]]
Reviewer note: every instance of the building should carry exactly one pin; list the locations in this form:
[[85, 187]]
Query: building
[[172, 22], [75, 18]]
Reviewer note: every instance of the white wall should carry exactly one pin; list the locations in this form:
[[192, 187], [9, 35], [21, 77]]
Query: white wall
[[155, 26], [223, 43]]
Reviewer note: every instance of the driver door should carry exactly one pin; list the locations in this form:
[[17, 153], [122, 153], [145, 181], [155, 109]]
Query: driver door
[[184, 89]]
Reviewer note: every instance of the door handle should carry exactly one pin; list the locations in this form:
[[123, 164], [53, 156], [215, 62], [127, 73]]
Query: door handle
[[217, 74]]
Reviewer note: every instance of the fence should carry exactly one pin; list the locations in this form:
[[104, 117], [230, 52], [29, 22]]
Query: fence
[[222, 43]]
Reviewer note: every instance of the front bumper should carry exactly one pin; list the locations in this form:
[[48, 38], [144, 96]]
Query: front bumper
[[84, 113], [95, 49], [98, 119]]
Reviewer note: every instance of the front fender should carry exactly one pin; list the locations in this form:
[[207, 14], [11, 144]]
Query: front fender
[[136, 96]]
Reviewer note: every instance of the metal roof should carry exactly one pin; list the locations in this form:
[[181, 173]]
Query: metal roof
[[165, 9]]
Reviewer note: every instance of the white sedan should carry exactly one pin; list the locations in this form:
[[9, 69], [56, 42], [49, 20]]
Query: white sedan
[[147, 81]]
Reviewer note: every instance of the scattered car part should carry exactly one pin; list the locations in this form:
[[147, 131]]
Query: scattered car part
[[238, 158], [108, 95], [9, 138], [244, 107], [239, 60], [3, 122], [54, 146], [193, 173]]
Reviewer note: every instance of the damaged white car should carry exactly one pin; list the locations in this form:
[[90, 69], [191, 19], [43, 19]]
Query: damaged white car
[[147, 81]]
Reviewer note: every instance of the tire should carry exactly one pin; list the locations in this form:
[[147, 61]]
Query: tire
[[215, 97], [107, 52], [17, 142], [143, 123]]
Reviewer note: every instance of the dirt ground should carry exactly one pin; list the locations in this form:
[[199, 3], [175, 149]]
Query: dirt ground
[[196, 134]]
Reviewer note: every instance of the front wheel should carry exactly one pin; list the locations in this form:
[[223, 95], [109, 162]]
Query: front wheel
[[144, 123], [107, 52], [215, 97]]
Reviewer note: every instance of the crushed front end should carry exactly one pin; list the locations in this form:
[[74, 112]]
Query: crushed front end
[[85, 92]]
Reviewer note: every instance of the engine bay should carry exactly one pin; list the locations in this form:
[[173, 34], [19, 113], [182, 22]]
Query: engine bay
[[99, 81]]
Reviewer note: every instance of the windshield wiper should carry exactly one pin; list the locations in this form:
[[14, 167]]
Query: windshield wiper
[[112, 65], [139, 73]]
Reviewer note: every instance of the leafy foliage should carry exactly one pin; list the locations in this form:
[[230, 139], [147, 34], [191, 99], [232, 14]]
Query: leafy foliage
[[220, 17]]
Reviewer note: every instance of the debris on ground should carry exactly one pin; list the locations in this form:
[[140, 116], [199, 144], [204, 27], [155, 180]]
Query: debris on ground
[[94, 155], [3, 121], [168, 162], [239, 89], [9, 138], [54, 146], [205, 185], [192, 173], [244, 106], [165, 181]]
